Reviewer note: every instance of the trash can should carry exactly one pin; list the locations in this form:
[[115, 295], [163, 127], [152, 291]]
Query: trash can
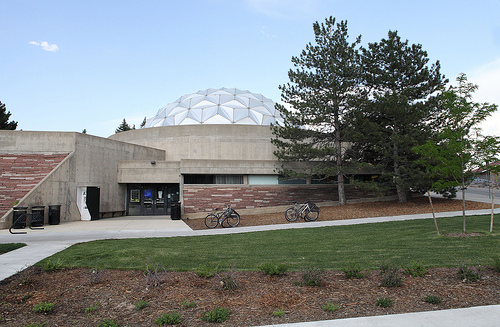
[[19, 212], [37, 216], [54, 214], [175, 211]]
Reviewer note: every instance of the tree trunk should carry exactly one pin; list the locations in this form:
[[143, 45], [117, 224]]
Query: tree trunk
[[492, 208], [340, 171], [397, 178], [433, 214], [342, 199], [463, 209]]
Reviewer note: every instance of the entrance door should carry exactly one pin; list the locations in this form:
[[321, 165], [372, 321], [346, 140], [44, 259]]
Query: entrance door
[[151, 199], [93, 201]]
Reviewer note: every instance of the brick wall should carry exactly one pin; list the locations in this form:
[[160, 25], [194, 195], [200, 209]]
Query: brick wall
[[200, 198], [19, 173]]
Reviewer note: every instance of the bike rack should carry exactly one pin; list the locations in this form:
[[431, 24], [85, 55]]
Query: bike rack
[[27, 217]]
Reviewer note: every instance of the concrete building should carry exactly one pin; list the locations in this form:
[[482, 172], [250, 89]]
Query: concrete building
[[208, 149]]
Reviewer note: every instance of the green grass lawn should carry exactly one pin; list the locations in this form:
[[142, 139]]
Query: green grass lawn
[[4, 248], [369, 245]]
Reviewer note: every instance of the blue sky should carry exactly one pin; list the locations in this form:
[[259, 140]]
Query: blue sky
[[74, 65]]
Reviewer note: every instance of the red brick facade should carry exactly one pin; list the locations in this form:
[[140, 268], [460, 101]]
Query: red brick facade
[[19, 173], [207, 197]]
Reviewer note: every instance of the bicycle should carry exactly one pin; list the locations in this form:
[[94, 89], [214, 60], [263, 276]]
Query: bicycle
[[229, 216], [308, 210]]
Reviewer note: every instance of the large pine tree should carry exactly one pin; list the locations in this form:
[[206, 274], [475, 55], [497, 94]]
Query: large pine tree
[[4, 118], [397, 108], [319, 93]]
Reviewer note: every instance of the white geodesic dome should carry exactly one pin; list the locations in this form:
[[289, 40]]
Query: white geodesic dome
[[218, 106]]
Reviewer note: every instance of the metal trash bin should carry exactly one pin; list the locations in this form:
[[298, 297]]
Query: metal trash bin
[[37, 216], [54, 214], [19, 212], [175, 211]]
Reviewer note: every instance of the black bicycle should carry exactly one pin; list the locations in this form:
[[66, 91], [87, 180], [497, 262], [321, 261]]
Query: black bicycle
[[226, 218], [308, 210]]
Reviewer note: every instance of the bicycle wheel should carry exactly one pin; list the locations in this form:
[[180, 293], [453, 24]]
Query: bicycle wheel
[[312, 214], [234, 219], [291, 214], [211, 220]]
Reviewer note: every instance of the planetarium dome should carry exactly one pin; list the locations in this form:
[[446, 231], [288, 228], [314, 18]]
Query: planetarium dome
[[218, 106]]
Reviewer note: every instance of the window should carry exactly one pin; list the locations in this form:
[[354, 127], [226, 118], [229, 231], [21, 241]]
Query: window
[[213, 179]]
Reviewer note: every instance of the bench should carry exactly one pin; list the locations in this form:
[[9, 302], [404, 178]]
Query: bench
[[112, 213]]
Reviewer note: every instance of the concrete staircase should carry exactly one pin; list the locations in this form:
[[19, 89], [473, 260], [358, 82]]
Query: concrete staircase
[[19, 173]]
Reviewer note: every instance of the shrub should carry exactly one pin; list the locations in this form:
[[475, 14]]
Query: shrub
[[390, 276], [141, 305], [217, 314], [33, 324], [384, 302], [43, 307], [432, 299], [273, 269], [331, 307], [207, 270], [93, 308], [51, 266], [96, 276], [311, 276], [188, 304], [26, 297], [278, 313], [153, 274], [228, 281], [108, 323], [469, 274], [353, 270], [416, 269], [169, 319]]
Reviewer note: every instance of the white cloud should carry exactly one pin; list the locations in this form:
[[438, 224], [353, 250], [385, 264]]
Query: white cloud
[[46, 46], [283, 8], [487, 78]]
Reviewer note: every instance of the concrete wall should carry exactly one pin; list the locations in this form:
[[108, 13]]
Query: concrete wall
[[143, 171], [218, 142], [93, 162]]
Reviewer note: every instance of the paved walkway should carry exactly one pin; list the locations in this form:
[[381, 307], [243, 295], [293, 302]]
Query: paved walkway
[[55, 238]]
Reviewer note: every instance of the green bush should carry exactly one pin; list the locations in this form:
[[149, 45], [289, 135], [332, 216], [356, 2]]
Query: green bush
[[43, 307], [108, 323], [331, 307], [188, 304], [51, 266], [469, 274], [311, 276], [169, 319], [33, 324], [273, 269], [141, 305], [384, 302], [278, 313], [217, 314], [26, 297], [432, 299], [353, 270], [416, 269], [93, 308], [390, 276], [207, 270]]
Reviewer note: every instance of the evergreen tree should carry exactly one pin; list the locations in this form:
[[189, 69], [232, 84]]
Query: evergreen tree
[[397, 108], [143, 123], [318, 92], [4, 118], [123, 127]]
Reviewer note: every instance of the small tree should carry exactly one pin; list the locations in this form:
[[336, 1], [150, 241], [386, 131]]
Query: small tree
[[123, 127], [452, 158], [4, 118], [319, 93]]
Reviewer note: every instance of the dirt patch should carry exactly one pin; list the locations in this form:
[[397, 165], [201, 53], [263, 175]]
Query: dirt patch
[[80, 303], [417, 205]]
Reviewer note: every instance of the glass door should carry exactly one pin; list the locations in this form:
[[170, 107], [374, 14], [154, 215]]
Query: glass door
[[151, 199]]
